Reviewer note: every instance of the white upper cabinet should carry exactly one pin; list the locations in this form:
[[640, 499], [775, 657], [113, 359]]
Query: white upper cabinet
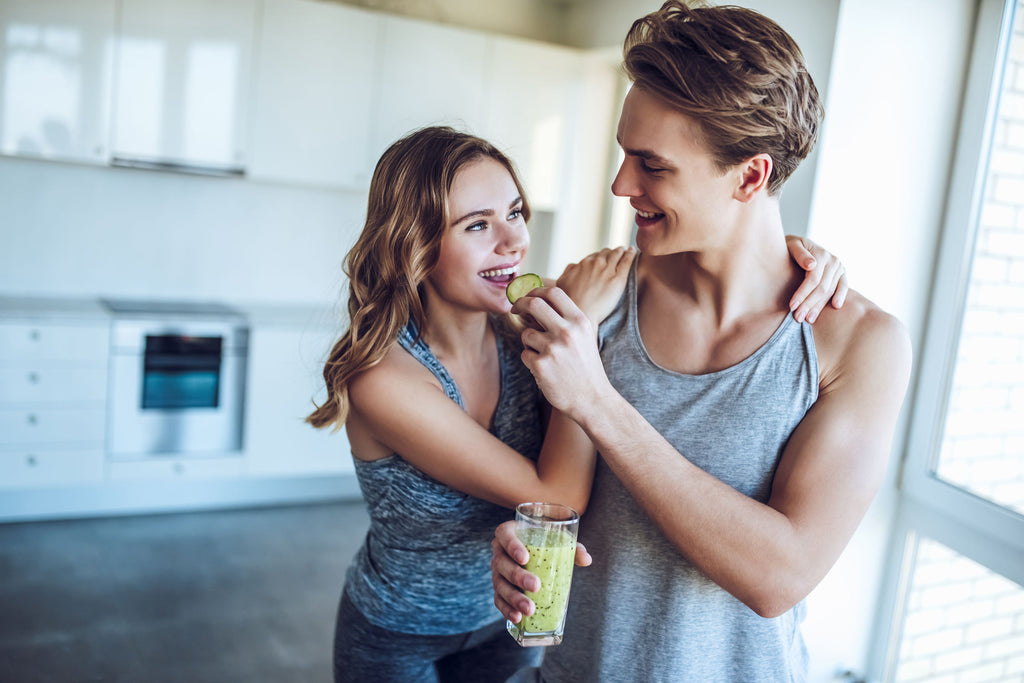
[[533, 103], [314, 84], [55, 60], [428, 74], [182, 82]]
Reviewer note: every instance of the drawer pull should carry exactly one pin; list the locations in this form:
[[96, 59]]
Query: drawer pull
[[35, 335], [33, 419], [31, 461], [33, 377]]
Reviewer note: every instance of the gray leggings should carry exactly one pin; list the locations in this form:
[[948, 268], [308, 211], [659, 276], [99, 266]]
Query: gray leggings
[[365, 653]]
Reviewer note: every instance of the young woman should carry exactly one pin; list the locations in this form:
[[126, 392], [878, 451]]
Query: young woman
[[447, 428]]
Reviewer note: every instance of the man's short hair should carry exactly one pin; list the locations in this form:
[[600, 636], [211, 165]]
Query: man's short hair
[[737, 74]]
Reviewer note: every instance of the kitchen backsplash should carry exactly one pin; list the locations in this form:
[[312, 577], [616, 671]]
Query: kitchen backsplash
[[80, 231]]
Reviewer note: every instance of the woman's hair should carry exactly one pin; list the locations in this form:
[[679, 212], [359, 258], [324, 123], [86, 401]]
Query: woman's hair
[[735, 72], [406, 217]]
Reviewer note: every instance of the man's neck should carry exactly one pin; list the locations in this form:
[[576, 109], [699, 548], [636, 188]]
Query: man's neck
[[748, 272]]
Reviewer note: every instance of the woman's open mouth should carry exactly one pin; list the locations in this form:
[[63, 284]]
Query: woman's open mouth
[[501, 276]]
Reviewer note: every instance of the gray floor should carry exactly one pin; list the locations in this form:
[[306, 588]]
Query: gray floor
[[225, 596]]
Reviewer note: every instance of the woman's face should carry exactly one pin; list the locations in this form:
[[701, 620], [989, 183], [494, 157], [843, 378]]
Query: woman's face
[[485, 241]]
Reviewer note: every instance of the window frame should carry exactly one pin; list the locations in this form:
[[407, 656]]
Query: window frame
[[978, 529]]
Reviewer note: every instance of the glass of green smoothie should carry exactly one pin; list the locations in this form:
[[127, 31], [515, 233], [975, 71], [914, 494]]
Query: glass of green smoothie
[[548, 530]]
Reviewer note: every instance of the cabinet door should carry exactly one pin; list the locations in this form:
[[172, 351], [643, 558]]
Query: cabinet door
[[285, 368], [428, 74], [312, 104], [55, 78], [182, 82], [533, 91]]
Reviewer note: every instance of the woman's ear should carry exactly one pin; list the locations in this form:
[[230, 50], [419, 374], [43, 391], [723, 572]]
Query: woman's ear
[[754, 175]]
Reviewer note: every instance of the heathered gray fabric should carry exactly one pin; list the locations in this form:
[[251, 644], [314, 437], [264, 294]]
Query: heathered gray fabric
[[641, 612], [424, 567]]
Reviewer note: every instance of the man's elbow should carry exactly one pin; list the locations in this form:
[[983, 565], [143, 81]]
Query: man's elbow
[[775, 601]]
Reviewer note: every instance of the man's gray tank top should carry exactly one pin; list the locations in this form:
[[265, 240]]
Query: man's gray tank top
[[641, 612], [424, 567]]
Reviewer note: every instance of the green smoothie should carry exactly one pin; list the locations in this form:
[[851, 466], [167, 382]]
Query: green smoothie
[[552, 555]]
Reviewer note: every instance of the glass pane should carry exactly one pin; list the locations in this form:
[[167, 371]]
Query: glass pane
[[963, 622], [983, 444]]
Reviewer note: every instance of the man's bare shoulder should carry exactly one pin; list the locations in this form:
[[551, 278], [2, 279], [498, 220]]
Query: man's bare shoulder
[[860, 337]]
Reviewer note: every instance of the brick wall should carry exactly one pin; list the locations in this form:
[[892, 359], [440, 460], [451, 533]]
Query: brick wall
[[965, 623]]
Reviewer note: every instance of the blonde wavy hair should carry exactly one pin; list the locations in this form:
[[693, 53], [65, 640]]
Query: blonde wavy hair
[[406, 217]]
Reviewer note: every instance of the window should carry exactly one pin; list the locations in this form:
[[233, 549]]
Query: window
[[956, 613]]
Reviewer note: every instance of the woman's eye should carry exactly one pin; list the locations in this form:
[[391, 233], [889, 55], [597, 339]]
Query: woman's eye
[[516, 213], [476, 226]]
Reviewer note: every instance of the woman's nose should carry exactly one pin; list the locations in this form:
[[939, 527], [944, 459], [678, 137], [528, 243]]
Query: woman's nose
[[514, 238]]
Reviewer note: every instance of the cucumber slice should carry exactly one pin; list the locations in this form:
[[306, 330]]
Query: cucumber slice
[[524, 284]]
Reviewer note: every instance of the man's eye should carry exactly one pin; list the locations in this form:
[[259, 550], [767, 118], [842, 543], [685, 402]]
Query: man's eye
[[647, 168]]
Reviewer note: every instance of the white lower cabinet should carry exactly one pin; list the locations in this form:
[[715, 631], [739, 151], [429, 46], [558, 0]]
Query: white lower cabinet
[[52, 402], [285, 366], [175, 468], [29, 467]]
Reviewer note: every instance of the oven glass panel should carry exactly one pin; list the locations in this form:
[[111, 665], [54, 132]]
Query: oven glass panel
[[181, 372]]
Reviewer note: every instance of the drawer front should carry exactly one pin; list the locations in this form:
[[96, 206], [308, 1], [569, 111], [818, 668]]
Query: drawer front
[[46, 341], [22, 427], [53, 384], [24, 469], [176, 468]]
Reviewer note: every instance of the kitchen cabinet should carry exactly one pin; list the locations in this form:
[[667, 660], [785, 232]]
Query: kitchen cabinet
[[533, 104], [182, 82], [312, 102], [427, 74], [285, 366], [52, 402], [175, 468], [56, 67]]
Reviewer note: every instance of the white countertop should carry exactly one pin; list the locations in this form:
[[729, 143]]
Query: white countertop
[[302, 315]]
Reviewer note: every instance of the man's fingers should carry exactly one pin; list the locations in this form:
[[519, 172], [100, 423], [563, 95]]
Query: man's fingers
[[583, 558]]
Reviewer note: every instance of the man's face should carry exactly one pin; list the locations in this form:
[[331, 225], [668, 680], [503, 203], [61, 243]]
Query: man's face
[[683, 202]]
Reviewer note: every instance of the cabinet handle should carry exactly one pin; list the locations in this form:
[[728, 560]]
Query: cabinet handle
[[33, 419], [35, 335], [31, 461], [179, 468], [33, 377]]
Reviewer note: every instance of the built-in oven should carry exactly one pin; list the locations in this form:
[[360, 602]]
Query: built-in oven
[[177, 379]]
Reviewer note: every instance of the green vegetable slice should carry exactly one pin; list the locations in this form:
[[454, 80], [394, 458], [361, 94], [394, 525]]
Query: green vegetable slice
[[522, 285]]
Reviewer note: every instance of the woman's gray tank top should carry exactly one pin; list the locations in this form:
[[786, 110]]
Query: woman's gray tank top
[[641, 612], [424, 567]]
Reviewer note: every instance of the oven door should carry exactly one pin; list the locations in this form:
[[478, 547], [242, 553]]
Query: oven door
[[176, 389]]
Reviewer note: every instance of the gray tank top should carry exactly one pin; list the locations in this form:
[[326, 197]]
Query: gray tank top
[[641, 612], [424, 567]]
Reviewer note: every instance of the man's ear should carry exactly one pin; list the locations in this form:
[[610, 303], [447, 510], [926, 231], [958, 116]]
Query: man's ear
[[754, 175]]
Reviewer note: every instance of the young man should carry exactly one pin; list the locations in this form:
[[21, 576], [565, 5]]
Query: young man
[[739, 448]]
